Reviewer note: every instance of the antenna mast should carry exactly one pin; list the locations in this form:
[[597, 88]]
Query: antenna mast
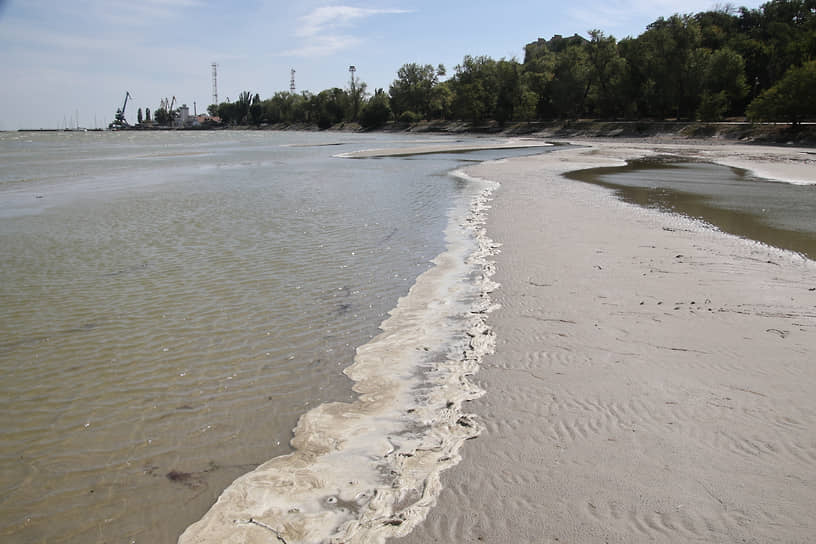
[[292, 80], [215, 83]]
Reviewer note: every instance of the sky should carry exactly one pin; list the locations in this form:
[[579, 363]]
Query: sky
[[70, 62]]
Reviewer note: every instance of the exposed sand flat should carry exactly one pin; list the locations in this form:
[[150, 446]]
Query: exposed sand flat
[[519, 143], [653, 380]]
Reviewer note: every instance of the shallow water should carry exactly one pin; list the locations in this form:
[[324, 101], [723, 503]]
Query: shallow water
[[779, 214], [171, 303]]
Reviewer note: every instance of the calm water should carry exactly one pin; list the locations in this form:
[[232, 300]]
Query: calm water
[[776, 213], [171, 303]]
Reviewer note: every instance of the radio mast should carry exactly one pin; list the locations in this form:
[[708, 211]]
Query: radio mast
[[292, 81], [215, 83]]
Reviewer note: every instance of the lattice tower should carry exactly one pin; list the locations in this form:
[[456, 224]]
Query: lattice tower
[[215, 83]]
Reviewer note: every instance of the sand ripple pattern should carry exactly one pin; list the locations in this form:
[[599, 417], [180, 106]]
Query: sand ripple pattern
[[653, 379]]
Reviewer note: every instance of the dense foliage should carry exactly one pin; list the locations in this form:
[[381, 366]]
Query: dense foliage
[[707, 66]]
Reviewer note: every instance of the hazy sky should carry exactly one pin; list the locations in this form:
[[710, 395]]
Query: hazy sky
[[63, 58]]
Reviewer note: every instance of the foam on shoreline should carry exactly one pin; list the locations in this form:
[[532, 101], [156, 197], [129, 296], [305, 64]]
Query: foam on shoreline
[[369, 469]]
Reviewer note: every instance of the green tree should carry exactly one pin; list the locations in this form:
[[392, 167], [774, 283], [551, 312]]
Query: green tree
[[791, 99], [718, 27], [674, 61], [302, 108], [162, 116], [357, 94], [139, 116], [441, 101], [377, 111], [328, 107], [241, 108], [771, 39], [571, 81], [281, 108], [537, 80], [723, 84], [231, 113], [413, 88], [475, 88], [528, 102], [255, 110], [637, 88], [547, 74], [606, 72], [508, 97], [147, 114]]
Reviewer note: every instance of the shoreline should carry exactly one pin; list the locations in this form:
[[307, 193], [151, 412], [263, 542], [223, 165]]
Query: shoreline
[[368, 469], [321, 493], [652, 378], [621, 131]]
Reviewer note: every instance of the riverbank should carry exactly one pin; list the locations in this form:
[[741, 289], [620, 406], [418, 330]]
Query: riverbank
[[652, 378], [655, 131]]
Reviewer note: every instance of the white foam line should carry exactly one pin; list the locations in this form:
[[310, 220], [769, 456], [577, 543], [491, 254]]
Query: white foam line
[[369, 469]]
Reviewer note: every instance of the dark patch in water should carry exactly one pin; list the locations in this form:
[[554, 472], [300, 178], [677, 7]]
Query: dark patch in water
[[389, 236], [179, 476], [128, 270], [85, 327]]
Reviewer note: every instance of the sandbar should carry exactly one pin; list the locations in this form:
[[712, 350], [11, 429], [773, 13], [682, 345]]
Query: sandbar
[[431, 148], [653, 378]]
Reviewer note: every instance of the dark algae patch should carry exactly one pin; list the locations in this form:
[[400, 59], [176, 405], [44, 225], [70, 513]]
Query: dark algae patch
[[779, 214]]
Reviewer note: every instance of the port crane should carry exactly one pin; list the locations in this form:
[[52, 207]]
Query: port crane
[[169, 115], [119, 118], [167, 104]]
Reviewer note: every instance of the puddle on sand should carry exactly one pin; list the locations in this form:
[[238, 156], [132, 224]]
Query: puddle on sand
[[775, 213]]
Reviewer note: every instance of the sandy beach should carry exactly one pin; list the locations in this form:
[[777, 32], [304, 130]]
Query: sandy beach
[[653, 379]]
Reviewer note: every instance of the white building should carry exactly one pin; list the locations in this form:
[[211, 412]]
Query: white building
[[183, 119]]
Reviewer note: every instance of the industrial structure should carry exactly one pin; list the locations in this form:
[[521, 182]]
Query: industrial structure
[[292, 81], [119, 120], [215, 83], [167, 105]]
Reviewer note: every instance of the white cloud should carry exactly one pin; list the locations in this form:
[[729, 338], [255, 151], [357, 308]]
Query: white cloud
[[322, 46], [327, 18], [322, 29]]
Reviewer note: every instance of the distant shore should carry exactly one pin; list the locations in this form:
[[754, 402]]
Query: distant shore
[[652, 379], [649, 130]]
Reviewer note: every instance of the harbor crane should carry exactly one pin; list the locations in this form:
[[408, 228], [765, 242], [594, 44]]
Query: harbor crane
[[165, 115], [166, 104], [119, 120]]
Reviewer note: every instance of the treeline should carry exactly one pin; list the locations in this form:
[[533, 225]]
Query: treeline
[[759, 63]]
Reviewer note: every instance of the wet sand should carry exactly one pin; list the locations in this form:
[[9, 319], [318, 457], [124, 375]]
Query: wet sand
[[653, 379], [433, 148]]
